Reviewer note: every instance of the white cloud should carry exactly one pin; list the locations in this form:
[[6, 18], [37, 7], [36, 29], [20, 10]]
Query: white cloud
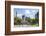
[[19, 15], [27, 12]]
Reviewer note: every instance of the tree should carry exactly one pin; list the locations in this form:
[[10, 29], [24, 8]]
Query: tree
[[28, 19], [17, 20], [37, 20]]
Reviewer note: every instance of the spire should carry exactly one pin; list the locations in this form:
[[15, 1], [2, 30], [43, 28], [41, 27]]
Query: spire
[[16, 13]]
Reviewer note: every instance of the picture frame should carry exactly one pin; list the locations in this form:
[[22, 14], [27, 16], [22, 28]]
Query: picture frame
[[22, 5]]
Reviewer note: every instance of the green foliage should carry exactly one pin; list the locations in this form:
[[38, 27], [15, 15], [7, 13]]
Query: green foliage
[[37, 19], [28, 19], [31, 21], [33, 25], [17, 20]]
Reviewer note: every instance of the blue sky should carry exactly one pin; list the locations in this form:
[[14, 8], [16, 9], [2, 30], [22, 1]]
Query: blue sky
[[26, 11]]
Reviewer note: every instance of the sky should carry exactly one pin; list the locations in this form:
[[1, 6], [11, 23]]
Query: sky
[[25, 11]]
